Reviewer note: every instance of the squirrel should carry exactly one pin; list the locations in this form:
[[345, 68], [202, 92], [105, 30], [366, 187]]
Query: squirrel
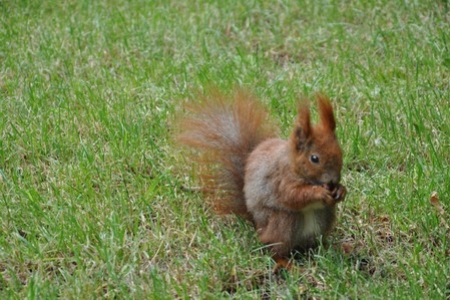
[[287, 188]]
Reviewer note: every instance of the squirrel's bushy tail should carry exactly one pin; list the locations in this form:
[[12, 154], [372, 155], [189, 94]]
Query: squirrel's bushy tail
[[224, 131]]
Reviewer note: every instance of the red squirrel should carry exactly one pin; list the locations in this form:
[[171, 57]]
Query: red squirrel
[[287, 188]]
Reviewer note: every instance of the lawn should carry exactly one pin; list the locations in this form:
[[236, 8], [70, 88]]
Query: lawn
[[96, 200]]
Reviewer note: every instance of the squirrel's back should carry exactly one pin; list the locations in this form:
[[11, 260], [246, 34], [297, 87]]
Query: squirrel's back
[[224, 131]]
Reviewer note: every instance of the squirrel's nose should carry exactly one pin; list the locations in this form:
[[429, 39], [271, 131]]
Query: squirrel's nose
[[331, 179]]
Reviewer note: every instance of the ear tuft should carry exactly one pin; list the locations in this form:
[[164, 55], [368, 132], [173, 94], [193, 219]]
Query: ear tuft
[[302, 130], [326, 113]]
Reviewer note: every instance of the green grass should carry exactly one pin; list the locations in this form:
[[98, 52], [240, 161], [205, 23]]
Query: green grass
[[92, 202]]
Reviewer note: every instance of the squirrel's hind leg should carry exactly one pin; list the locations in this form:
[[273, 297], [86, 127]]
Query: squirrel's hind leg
[[282, 263]]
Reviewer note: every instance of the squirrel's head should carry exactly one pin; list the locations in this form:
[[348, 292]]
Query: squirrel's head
[[315, 152]]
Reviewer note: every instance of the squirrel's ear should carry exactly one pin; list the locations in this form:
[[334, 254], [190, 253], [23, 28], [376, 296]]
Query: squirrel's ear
[[303, 130], [326, 113]]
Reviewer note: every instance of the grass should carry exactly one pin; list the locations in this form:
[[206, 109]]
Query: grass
[[92, 198]]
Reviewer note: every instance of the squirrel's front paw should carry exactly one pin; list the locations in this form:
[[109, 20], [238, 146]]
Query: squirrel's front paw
[[339, 193], [322, 193]]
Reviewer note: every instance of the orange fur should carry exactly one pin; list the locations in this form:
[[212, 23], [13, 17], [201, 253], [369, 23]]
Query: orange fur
[[225, 131]]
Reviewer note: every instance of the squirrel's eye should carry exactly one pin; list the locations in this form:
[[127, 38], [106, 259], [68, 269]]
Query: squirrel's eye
[[314, 159]]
